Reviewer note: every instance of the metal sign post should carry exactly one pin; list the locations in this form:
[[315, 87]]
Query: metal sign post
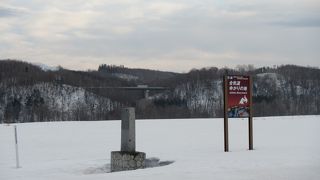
[[237, 104], [225, 122], [250, 115], [16, 144]]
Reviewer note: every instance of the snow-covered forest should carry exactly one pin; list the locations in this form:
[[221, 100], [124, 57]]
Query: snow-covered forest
[[31, 93]]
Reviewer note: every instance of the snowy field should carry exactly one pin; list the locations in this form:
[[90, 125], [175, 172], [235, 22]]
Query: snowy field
[[285, 148]]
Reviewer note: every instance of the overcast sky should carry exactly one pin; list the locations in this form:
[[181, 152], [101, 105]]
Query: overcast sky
[[174, 35]]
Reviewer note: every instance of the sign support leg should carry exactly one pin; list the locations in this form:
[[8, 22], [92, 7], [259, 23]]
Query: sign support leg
[[250, 116], [250, 134], [226, 130], [226, 135]]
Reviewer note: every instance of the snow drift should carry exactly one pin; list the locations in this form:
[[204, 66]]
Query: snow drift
[[285, 148]]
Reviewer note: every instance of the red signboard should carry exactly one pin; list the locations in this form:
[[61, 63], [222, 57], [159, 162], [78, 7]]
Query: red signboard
[[237, 104], [238, 92]]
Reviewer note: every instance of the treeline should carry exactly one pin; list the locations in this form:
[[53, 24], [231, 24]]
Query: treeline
[[49, 102], [281, 90], [29, 93]]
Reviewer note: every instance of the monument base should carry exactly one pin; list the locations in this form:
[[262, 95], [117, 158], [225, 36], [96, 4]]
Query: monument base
[[123, 161]]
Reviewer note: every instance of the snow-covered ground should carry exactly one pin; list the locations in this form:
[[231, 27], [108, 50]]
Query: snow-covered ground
[[285, 148]]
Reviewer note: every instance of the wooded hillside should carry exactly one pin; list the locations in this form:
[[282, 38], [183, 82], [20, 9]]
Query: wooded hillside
[[29, 93]]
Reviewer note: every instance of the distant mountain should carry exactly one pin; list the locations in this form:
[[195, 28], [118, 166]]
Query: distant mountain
[[30, 93]]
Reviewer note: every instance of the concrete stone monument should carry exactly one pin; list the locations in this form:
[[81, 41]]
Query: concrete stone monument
[[128, 158]]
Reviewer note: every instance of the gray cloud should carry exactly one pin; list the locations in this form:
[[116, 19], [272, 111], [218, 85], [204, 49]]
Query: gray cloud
[[7, 12], [11, 11], [170, 35], [304, 22]]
